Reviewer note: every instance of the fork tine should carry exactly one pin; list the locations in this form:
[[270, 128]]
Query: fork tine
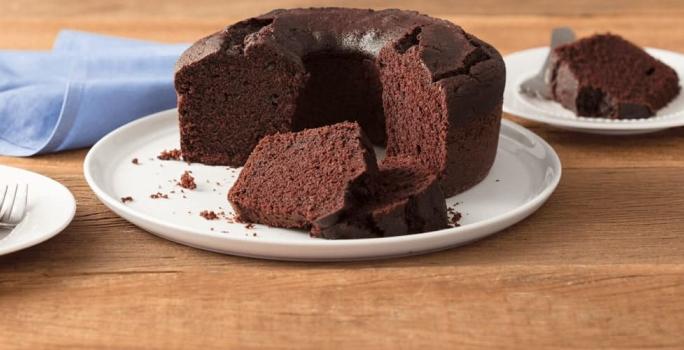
[[4, 205], [20, 202], [8, 204]]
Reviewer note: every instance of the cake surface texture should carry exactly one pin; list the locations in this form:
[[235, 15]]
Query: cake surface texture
[[326, 180], [420, 86], [607, 76]]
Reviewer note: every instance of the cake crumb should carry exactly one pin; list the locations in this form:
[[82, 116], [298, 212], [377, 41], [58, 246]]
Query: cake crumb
[[135, 161], [249, 226], [174, 154], [454, 217], [126, 199], [159, 195], [187, 181], [209, 215]]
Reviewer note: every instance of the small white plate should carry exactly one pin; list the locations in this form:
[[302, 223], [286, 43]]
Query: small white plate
[[524, 175], [51, 207], [524, 64]]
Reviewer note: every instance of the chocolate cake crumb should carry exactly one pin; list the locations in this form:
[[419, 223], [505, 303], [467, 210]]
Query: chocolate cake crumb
[[159, 195], [126, 199], [249, 226], [187, 181], [174, 154], [135, 161], [209, 215], [454, 217]]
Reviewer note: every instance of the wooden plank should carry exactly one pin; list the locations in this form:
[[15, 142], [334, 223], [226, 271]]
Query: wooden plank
[[357, 306]]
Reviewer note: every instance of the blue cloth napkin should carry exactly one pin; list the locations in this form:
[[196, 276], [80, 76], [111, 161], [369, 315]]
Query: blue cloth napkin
[[85, 87]]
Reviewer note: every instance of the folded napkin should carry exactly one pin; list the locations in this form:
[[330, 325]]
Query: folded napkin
[[85, 87]]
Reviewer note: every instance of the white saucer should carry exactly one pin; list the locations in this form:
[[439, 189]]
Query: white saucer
[[522, 65], [51, 207], [524, 175]]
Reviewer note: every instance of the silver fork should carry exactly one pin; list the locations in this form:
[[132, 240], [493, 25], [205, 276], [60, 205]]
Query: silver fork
[[538, 85], [13, 203]]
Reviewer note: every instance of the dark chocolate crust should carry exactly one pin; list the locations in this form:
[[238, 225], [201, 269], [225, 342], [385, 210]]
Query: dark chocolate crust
[[423, 86], [607, 76]]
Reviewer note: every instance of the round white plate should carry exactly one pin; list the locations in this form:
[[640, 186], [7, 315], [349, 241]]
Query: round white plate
[[51, 207], [522, 65], [524, 175]]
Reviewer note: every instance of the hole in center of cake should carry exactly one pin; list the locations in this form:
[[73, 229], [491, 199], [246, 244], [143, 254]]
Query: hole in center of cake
[[341, 86]]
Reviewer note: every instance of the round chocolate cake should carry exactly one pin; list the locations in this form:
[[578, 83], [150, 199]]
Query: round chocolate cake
[[421, 86]]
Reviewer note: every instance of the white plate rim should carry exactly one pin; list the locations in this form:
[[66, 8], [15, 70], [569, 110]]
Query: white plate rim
[[48, 234], [516, 214], [511, 93]]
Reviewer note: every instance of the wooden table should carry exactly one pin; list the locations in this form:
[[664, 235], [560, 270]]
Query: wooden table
[[600, 265]]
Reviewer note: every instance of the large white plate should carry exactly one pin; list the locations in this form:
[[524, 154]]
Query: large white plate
[[51, 207], [524, 175], [522, 65]]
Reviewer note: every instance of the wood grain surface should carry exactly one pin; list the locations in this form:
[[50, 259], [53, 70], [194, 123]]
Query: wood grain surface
[[601, 265]]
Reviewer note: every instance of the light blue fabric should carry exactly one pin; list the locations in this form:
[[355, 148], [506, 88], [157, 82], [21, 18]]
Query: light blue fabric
[[85, 87]]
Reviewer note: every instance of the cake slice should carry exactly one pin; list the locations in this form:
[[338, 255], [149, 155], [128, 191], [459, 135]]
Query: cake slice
[[293, 179], [607, 76], [405, 199], [327, 180]]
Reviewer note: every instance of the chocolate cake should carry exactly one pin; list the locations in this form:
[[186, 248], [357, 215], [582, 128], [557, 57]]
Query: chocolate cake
[[607, 76], [292, 179], [419, 85], [326, 179], [405, 198]]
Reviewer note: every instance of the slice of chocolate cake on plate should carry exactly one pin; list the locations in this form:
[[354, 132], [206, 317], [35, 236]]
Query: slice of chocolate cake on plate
[[326, 180], [607, 76], [292, 179]]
